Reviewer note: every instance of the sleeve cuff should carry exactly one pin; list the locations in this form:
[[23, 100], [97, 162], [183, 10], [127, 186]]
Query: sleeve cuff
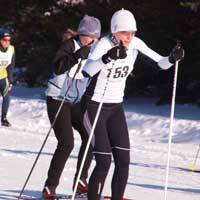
[[164, 63]]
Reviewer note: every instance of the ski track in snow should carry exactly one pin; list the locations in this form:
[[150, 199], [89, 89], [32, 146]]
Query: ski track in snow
[[148, 127]]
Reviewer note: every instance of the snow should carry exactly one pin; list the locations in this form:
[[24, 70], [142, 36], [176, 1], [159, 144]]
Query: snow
[[148, 127]]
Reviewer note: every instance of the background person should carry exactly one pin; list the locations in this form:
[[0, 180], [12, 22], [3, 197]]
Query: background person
[[7, 63]]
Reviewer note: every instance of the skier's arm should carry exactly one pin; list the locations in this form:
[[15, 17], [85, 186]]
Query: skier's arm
[[10, 68], [92, 67], [64, 58], [163, 62], [94, 63]]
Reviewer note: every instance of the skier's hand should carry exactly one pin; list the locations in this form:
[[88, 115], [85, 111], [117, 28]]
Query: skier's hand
[[176, 54], [10, 87], [82, 53], [117, 52]]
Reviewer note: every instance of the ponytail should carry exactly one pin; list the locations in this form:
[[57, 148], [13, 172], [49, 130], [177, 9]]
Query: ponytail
[[69, 34]]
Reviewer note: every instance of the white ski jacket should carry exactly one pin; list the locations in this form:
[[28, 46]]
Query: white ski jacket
[[118, 70]]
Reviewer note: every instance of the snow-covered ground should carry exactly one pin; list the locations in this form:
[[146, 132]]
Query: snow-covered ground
[[148, 126]]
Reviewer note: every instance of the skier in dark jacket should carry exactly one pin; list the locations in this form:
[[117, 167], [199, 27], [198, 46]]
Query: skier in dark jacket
[[109, 65], [71, 55], [7, 63]]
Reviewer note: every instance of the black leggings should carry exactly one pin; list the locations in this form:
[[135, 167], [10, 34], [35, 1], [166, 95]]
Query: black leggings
[[119, 179], [69, 116], [4, 90], [110, 138]]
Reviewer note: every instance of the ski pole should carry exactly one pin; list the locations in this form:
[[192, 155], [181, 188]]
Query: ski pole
[[193, 167], [92, 133], [52, 125], [171, 127]]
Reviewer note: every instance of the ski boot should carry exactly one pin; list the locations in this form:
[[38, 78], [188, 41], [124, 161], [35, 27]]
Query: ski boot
[[82, 188], [5, 122], [49, 192]]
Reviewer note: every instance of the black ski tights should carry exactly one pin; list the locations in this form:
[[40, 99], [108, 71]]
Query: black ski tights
[[120, 176]]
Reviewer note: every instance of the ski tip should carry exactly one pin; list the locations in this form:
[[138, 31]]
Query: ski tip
[[109, 197], [192, 168]]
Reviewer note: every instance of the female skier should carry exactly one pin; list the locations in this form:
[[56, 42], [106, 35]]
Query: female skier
[[108, 66], [68, 83]]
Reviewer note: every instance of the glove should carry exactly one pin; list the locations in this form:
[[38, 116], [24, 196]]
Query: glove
[[10, 87], [117, 52], [82, 53], [176, 54]]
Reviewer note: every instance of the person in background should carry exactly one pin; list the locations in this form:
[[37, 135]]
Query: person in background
[[7, 63], [108, 66], [68, 84]]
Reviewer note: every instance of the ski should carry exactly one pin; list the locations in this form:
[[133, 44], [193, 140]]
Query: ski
[[67, 197], [58, 197], [189, 170]]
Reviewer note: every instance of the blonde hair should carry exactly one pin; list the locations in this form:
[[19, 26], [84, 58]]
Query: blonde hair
[[69, 34]]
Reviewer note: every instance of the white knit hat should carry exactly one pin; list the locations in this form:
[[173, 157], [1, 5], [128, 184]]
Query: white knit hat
[[89, 26], [123, 20]]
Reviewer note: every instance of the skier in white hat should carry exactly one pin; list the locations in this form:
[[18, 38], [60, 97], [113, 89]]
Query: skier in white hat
[[108, 66]]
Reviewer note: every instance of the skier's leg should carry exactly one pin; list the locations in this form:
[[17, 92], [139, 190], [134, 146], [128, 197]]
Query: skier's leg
[[120, 176], [4, 89], [64, 135], [5, 105], [101, 149], [78, 125], [97, 179], [118, 133]]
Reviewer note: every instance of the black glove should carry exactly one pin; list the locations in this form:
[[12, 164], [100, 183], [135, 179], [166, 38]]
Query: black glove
[[117, 52], [82, 53], [176, 54]]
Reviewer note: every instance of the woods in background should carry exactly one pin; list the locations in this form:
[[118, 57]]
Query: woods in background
[[37, 28]]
